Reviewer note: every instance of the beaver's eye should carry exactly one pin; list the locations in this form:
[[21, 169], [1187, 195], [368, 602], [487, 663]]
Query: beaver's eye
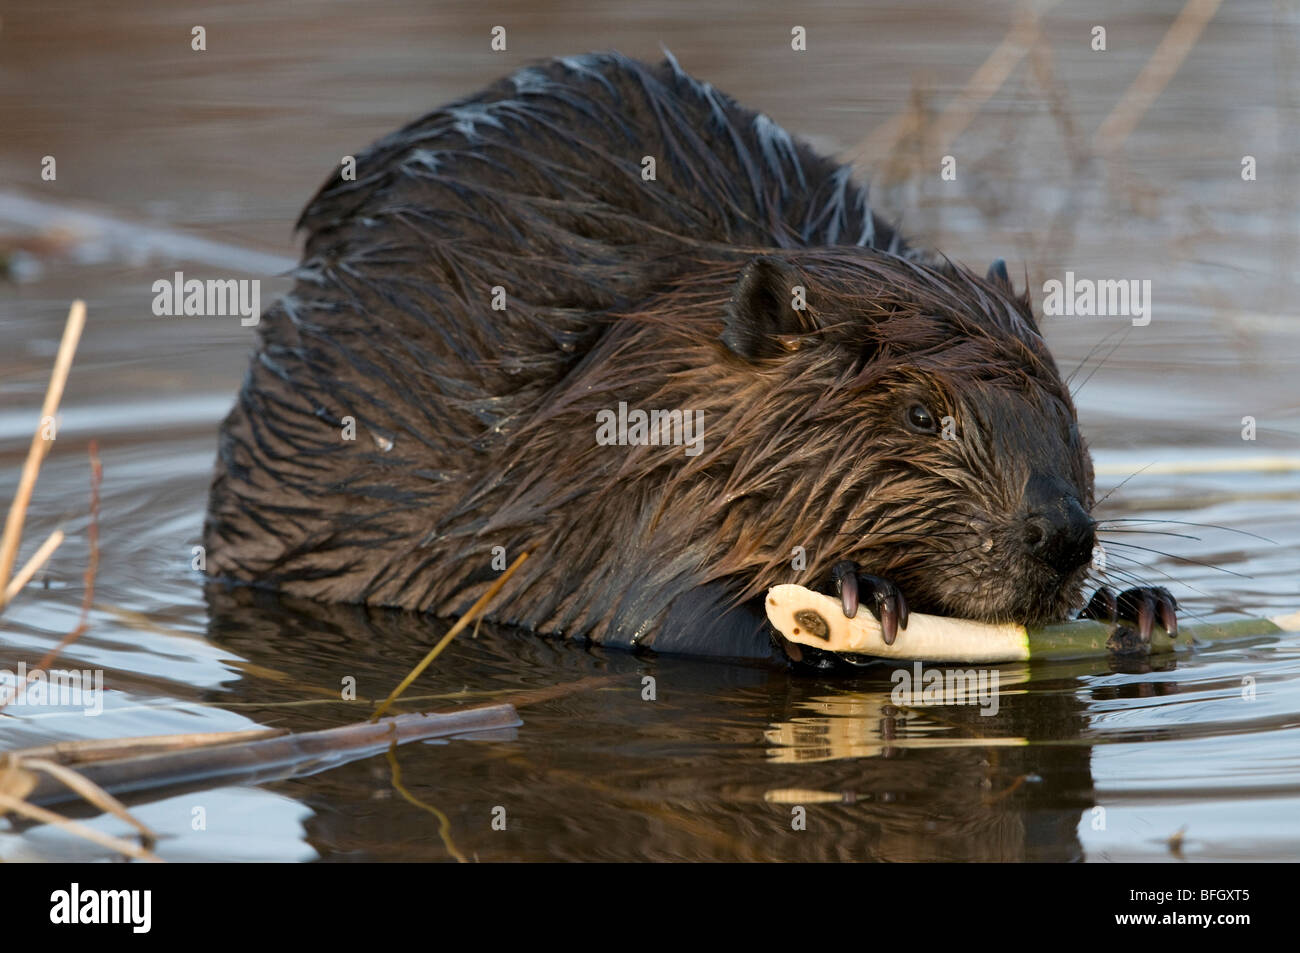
[[921, 420]]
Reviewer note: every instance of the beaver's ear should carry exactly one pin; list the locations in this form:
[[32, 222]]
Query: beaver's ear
[[998, 274], [762, 319]]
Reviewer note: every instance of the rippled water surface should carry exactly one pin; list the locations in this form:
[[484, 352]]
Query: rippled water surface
[[170, 160]]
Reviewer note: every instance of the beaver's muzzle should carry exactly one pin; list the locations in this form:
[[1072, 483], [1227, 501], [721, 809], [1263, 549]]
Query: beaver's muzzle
[[1057, 529]]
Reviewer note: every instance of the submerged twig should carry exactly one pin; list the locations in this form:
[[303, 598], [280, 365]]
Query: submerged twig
[[110, 749], [265, 759], [92, 568]]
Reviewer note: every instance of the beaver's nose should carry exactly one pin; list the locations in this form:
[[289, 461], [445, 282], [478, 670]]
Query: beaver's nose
[[1057, 529]]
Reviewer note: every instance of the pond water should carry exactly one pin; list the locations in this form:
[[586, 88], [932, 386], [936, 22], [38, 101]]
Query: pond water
[[172, 160]]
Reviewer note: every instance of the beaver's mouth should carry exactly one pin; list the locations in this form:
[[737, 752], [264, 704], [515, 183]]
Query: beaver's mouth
[[1034, 595]]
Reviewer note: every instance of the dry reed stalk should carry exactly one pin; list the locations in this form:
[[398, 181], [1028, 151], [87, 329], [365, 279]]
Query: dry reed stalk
[[40, 814], [479, 605], [982, 85], [40, 446], [1155, 76], [32, 566]]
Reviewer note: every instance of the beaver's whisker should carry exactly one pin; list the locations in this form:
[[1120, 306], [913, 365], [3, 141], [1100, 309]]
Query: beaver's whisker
[[1121, 484], [973, 556], [973, 552], [1095, 348], [910, 524], [926, 520], [1135, 580], [1149, 532], [1109, 354], [902, 534], [1186, 559], [1230, 529], [1099, 576], [1182, 609]]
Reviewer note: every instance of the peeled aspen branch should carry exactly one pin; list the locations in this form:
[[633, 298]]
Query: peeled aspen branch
[[816, 620]]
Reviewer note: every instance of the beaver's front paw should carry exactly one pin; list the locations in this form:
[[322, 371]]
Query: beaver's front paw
[[1143, 605], [880, 596]]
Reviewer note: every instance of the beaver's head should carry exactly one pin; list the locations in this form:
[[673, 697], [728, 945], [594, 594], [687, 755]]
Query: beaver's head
[[912, 420]]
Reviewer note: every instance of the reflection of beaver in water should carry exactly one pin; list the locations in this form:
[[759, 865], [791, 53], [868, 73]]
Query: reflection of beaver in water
[[505, 275]]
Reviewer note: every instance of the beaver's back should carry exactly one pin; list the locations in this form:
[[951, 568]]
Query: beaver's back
[[535, 187]]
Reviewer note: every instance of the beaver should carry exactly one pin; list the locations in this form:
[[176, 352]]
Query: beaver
[[601, 314]]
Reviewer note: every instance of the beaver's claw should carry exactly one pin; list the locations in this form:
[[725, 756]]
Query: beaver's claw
[[1143, 605], [881, 597]]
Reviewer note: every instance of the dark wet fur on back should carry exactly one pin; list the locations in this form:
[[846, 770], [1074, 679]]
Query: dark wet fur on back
[[476, 427]]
